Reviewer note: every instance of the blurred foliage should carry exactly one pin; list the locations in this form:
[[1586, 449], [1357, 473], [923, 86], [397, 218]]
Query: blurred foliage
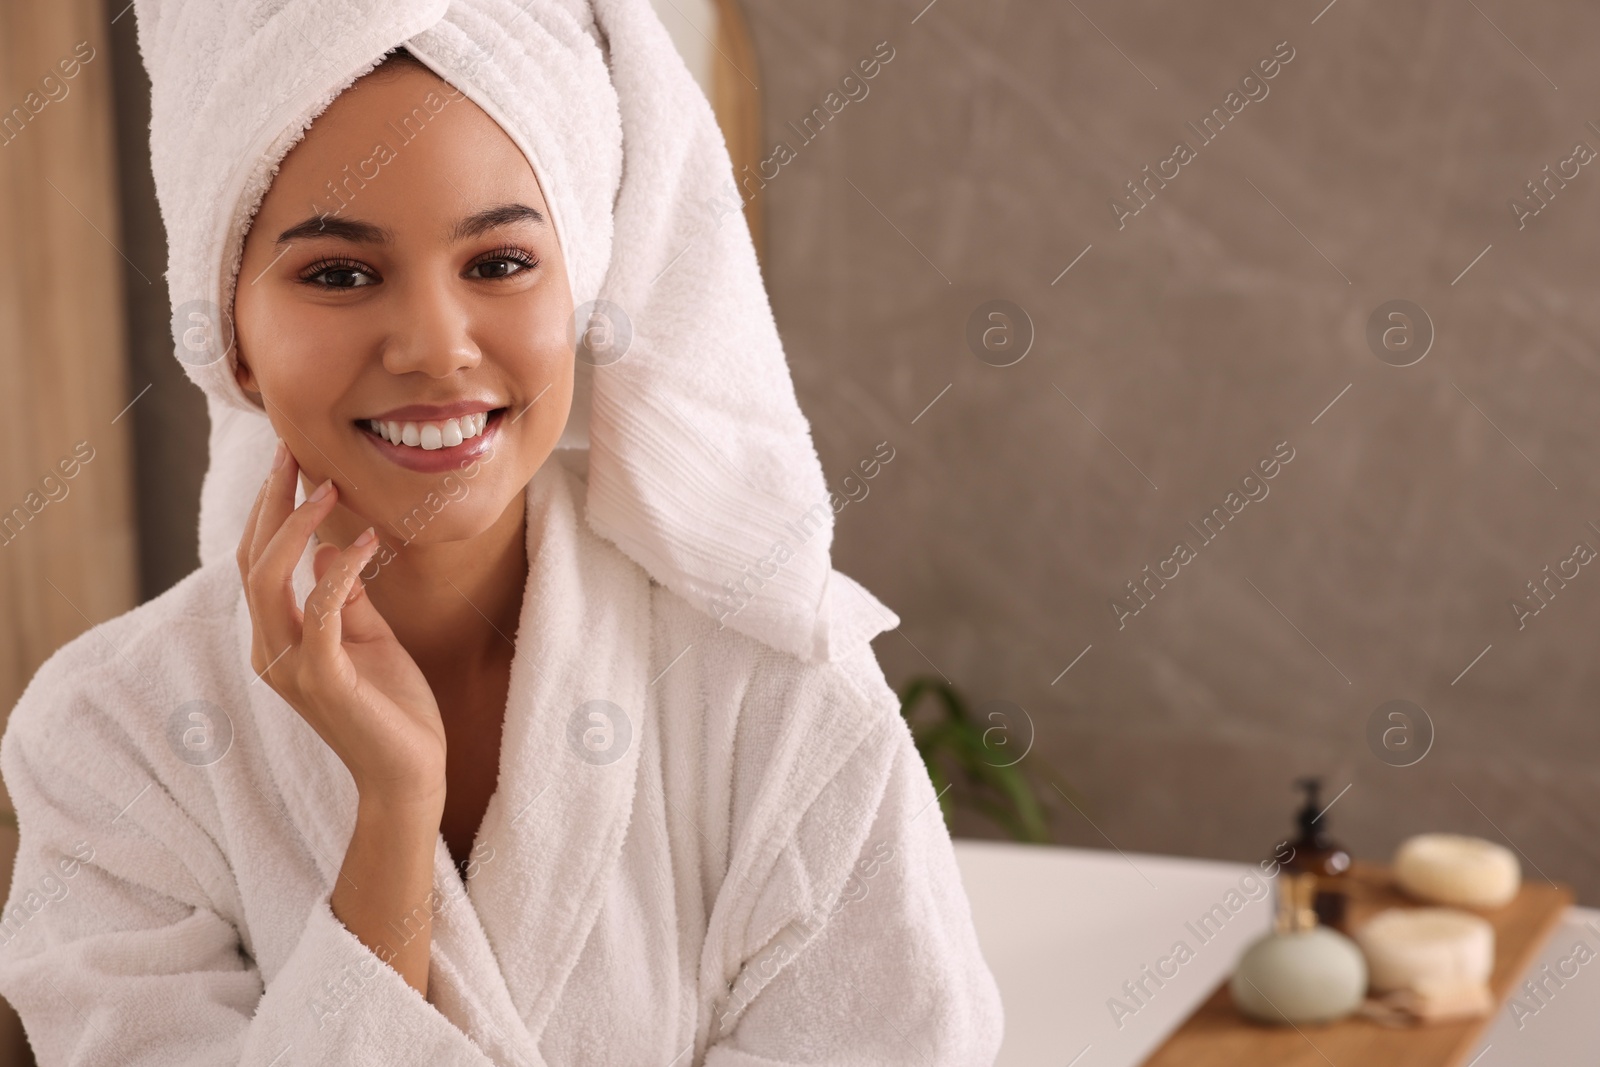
[[961, 750]]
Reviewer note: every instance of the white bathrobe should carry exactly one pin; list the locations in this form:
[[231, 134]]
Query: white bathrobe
[[747, 868]]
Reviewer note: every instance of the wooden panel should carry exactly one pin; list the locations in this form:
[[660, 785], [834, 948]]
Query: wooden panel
[[736, 100], [1216, 1035], [67, 557], [66, 544]]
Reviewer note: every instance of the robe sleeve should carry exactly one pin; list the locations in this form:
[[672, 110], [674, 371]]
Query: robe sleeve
[[113, 950], [887, 968]]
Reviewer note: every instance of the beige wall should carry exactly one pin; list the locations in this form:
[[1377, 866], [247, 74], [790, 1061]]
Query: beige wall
[[1221, 320]]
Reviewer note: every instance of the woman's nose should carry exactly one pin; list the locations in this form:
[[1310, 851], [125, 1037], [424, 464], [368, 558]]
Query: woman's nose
[[429, 332]]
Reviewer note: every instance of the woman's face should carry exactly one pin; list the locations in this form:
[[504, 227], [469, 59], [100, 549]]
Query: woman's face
[[402, 268]]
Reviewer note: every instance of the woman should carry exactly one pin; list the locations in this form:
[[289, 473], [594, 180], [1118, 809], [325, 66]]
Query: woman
[[472, 751]]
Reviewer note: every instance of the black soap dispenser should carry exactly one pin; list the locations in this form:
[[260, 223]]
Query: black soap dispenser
[[1317, 854]]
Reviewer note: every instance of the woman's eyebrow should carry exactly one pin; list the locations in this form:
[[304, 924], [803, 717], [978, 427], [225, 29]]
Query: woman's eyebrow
[[480, 222], [474, 225], [333, 226]]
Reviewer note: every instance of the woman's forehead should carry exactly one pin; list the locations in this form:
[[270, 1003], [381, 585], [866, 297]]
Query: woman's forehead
[[403, 144]]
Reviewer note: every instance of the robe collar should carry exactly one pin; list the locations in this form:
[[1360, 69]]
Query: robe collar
[[505, 943]]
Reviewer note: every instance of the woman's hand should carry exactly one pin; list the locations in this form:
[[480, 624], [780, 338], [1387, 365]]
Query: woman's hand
[[338, 663]]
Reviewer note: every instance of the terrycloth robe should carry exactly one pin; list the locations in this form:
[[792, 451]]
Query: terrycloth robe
[[724, 855]]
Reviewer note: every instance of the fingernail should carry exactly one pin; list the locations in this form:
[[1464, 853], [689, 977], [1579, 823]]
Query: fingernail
[[280, 455], [365, 538], [322, 490]]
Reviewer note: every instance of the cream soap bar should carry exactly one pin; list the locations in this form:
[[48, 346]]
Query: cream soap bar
[[1426, 950], [1462, 872]]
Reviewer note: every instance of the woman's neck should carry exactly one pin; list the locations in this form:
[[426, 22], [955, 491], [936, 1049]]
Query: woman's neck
[[454, 605]]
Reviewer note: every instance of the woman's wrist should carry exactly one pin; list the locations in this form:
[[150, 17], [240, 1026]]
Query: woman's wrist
[[401, 803], [386, 882]]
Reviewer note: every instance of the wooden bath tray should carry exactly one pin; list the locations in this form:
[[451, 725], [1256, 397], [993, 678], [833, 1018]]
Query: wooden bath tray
[[1216, 1035]]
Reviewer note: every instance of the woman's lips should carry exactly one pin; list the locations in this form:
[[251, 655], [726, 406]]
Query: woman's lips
[[436, 460]]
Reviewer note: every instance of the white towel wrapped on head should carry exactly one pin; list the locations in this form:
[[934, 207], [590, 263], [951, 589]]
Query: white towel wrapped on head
[[700, 460]]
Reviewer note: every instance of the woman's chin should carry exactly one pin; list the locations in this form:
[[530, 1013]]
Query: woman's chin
[[440, 520]]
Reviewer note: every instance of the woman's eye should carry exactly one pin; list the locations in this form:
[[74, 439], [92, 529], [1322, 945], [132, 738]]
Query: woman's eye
[[500, 266], [340, 277], [354, 276]]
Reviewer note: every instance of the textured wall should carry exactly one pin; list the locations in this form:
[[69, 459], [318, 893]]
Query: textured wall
[[1176, 353]]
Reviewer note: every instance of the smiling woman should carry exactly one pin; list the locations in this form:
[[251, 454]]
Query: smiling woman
[[445, 295], [494, 786]]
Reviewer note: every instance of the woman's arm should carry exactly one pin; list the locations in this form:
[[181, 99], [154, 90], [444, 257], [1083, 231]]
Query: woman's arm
[[386, 882], [119, 942], [339, 665]]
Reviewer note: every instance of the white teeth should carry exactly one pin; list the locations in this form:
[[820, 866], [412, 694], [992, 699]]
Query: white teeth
[[432, 435]]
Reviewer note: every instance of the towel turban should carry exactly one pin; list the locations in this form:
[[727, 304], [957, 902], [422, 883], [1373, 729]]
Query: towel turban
[[701, 466]]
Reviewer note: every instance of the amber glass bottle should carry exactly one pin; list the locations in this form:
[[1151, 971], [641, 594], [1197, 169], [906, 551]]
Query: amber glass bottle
[[1316, 853]]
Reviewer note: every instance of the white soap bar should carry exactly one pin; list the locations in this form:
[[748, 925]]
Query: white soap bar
[[1462, 872], [1426, 949]]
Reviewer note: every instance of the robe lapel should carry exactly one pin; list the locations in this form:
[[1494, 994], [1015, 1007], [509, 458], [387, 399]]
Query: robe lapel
[[569, 755], [504, 945]]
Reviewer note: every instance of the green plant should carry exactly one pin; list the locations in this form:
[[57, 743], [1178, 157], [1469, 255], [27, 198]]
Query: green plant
[[995, 788]]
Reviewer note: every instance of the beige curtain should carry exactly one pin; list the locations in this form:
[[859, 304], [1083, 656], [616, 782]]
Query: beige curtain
[[66, 528]]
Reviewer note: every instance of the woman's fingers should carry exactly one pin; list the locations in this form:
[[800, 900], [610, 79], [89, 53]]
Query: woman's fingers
[[322, 558], [272, 574], [246, 554], [360, 620], [277, 501], [274, 540], [323, 631]]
